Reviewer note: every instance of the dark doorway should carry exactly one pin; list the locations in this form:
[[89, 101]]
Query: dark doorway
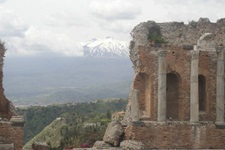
[[172, 96], [201, 92]]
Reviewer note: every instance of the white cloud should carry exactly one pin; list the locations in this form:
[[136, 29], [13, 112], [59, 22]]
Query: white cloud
[[2, 1], [57, 29], [114, 10], [10, 24], [21, 39], [116, 26], [42, 41], [177, 10], [39, 42], [65, 19]]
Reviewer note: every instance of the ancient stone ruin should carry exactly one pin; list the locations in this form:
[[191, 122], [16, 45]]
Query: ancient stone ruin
[[177, 96], [11, 126]]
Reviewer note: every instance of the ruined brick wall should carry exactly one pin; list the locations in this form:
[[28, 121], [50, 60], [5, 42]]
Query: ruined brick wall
[[144, 82], [16, 135], [176, 131], [208, 68], [11, 135], [178, 62], [11, 129], [179, 135], [5, 104], [40, 146], [180, 39]]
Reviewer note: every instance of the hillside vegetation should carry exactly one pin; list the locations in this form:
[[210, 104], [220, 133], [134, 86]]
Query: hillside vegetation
[[69, 124]]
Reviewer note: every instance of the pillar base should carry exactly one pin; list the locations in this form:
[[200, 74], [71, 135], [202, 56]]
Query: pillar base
[[220, 125]]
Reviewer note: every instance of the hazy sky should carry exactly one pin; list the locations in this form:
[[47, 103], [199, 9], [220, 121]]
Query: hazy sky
[[56, 27]]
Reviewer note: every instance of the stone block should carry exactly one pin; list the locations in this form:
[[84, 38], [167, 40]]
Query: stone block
[[113, 133], [132, 145], [101, 145]]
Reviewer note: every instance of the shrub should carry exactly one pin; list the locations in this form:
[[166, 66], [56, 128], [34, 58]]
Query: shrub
[[192, 23], [155, 35]]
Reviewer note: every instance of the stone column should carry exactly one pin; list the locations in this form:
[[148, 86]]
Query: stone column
[[194, 110], [220, 87], [162, 86], [135, 105]]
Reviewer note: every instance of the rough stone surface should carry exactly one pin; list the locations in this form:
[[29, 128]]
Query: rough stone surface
[[6, 107], [40, 146], [180, 135], [118, 116], [132, 145], [175, 33], [178, 36], [113, 133], [6, 147], [11, 134], [176, 131], [101, 144], [111, 148]]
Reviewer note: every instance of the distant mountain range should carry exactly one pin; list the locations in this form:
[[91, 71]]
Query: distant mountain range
[[105, 71], [108, 47]]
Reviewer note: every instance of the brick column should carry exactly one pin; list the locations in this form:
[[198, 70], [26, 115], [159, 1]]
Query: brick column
[[162, 86], [194, 110], [220, 87]]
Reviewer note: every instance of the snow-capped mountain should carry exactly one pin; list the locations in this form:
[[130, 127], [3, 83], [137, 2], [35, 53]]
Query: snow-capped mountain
[[108, 47]]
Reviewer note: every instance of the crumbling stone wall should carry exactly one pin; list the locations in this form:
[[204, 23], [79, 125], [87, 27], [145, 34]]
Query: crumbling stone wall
[[6, 108], [11, 127], [178, 42], [40, 146], [11, 134], [176, 135], [208, 69]]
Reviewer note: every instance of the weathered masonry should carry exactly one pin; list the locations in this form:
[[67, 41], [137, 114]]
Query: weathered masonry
[[177, 96], [11, 126]]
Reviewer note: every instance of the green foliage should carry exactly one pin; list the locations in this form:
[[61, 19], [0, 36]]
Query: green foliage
[[79, 123], [155, 35], [192, 23]]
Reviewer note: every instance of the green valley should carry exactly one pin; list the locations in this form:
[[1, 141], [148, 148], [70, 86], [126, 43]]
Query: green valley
[[69, 124]]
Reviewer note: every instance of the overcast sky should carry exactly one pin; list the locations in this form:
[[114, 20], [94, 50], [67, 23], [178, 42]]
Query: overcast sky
[[57, 27]]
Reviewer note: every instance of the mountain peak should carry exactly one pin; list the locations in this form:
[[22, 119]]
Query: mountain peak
[[108, 47]]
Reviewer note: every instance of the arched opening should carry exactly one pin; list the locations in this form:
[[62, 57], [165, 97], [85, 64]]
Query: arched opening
[[201, 92], [143, 84], [172, 99]]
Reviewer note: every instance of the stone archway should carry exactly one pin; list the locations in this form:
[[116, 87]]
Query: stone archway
[[172, 96]]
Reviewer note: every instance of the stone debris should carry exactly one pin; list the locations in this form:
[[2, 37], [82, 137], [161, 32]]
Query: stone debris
[[118, 116], [113, 133], [40, 146], [6, 146], [101, 144], [132, 145]]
